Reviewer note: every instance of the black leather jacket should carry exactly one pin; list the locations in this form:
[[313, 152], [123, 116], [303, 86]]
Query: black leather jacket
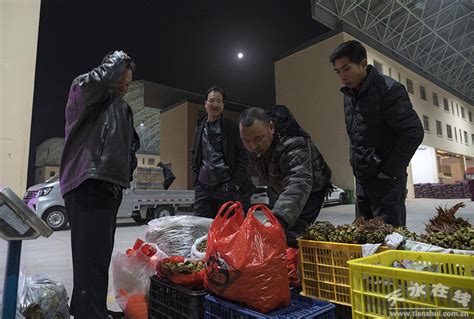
[[235, 155], [100, 139]]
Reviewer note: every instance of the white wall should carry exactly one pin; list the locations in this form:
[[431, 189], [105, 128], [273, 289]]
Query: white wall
[[424, 166], [19, 23]]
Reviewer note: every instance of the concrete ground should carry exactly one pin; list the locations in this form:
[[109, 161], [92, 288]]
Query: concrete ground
[[52, 255]]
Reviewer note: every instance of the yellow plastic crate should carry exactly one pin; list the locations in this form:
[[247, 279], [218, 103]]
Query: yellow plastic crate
[[382, 291], [325, 272]]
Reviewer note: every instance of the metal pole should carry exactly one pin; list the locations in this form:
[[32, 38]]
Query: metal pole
[[10, 287]]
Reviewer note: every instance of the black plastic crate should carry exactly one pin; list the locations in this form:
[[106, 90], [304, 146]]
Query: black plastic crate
[[343, 312], [174, 302]]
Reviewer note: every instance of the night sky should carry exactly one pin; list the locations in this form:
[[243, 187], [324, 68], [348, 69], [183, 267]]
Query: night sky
[[189, 45]]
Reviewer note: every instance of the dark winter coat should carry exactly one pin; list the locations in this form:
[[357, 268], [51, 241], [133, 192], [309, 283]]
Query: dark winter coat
[[384, 129]]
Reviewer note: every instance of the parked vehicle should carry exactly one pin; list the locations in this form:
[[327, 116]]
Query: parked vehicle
[[335, 197], [140, 204], [263, 196]]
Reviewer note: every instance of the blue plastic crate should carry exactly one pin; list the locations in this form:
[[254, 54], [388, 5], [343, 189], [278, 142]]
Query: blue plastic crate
[[300, 307]]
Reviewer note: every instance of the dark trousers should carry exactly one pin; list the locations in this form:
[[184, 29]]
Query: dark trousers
[[208, 199], [308, 215], [382, 198], [167, 183], [92, 211]]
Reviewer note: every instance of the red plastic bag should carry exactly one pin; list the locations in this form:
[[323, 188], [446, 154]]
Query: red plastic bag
[[246, 260], [292, 257], [193, 280]]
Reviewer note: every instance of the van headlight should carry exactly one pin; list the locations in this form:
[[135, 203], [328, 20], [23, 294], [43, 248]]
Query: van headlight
[[44, 191]]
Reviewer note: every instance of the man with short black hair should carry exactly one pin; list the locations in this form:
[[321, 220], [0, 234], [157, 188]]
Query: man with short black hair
[[219, 160], [289, 163], [384, 132], [98, 161]]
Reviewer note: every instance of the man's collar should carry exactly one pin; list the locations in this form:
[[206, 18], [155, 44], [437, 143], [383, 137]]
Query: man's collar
[[369, 78]]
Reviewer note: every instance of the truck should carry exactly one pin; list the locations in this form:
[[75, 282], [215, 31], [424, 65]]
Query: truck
[[145, 200]]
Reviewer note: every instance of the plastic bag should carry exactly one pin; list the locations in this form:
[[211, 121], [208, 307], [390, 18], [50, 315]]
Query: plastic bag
[[195, 253], [131, 272], [292, 263], [175, 235], [246, 260], [182, 276], [423, 247], [136, 306], [41, 297]]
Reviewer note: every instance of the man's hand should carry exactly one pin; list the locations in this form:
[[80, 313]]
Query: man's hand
[[229, 187], [125, 55]]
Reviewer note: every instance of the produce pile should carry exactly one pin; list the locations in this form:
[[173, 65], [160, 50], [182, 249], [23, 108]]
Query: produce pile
[[443, 230], [202, 246], [183, 272], [182, 267], [361, 231], [448, 231]]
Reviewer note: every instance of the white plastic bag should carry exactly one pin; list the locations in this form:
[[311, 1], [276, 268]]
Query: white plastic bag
[[423, 247], [175, 235], [41, 297], [131, 272]]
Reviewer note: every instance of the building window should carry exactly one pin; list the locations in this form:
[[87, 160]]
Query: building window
[[143, 161], [435, 99], [456, 133], [446, 104], [399, 77], [51, 174], [151, 161], [439, 128], [378, 66], [457, 109], [470, 116], [449, 131], [390, 72], [463, 114], [426, 123], [409, 86], [460, 135], [472, 139], [422, 92], [465, 138]]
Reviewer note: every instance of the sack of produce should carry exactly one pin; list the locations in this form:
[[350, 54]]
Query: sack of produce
[[175, 235], [41, 297], [246, 259], [182, 272]]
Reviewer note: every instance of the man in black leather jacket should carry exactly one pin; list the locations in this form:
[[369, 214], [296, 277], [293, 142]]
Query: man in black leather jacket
[[219, 160], [384, 132], [97, 163]]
